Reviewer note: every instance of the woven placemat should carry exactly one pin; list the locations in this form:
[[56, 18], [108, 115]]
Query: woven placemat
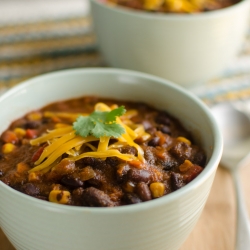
[[33, 48]]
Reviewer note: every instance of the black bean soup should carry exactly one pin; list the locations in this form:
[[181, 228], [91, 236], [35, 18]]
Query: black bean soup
[[44, 157]]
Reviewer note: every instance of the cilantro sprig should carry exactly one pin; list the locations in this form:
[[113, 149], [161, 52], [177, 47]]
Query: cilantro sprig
[[100, 123]]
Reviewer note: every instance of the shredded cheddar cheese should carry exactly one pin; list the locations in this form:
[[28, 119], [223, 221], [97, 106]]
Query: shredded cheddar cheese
[[69, 116], [64, 140]]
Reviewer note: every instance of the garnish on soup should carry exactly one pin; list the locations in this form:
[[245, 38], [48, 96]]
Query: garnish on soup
[[100, 123], [100, 126], [92, 152]]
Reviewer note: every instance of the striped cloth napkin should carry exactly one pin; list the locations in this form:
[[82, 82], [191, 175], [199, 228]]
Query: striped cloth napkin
[[40, 36], [233, 84]]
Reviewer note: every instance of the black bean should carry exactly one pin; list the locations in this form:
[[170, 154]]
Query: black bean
[[165, 129], [112, 161], [131, 198], [121, 171], [45, 120], [163, 118], [128, 150], [168, 163], [147, 124], [149, 155], [181, 150], [154, 142], [31, 189], [71, 181], [139, 175], [93, 197], [198, 157], [31, 124], [93, 162], [143, 191], [176, 181], [151, 130]]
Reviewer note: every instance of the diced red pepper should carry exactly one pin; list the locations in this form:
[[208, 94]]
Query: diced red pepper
[[161, 153], [38, 153], [9, 137], [192, 173], [136, 163], [56, 119], [31, 133]]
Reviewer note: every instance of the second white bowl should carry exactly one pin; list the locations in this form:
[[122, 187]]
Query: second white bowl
[[164, 223], [187, 49]]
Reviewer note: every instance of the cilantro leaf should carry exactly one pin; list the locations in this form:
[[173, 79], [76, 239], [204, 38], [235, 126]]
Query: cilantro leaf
[[83, 125], [102, 129], [100, 124], [111, 116], [98, 116]]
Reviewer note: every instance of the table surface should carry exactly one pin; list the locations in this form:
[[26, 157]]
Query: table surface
[[30, 48]]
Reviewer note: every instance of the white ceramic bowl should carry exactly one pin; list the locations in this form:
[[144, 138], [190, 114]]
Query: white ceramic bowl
[[164, 223], [186, 49]]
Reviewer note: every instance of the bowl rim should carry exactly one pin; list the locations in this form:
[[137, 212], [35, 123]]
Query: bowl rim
[[195, 183], [171, 16]]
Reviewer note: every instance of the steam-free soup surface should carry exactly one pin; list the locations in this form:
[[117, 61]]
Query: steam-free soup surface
[[44, 156]]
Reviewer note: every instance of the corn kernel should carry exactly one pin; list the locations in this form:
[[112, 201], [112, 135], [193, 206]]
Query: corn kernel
[[20, 132], [183, 139], [21, 167], [182, 6], [185, 166], [34, 176], [59, 196], [157, 189], [8, 147], [129, 187], [152, 4], [141, 134], [34, 116]]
